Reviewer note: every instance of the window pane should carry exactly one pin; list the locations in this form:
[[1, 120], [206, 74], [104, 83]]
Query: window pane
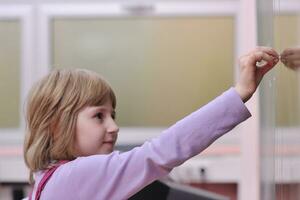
[[286, 34], [287, 111], [160, 68], [10, 74]]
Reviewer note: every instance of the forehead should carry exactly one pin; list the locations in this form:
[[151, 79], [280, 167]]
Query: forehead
[[101, 97], [90, 99], [107, 106]]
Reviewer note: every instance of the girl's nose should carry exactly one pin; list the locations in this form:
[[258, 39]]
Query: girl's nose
[[112, 127]]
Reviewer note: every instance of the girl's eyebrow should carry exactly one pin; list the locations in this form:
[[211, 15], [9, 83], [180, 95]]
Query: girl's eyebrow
[[104, 108]]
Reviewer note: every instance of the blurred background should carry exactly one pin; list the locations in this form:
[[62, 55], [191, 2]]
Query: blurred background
[[164, 59]]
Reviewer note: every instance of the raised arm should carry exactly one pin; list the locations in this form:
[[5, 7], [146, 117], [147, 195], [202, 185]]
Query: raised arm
[[120, 175]]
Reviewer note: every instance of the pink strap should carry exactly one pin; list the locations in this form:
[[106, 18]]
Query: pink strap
[[45, 179]]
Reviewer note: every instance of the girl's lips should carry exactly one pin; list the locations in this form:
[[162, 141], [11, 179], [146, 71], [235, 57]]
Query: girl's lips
[[109, 142]]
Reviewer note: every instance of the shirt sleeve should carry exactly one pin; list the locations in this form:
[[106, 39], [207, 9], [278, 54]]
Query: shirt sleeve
[[120, 175]]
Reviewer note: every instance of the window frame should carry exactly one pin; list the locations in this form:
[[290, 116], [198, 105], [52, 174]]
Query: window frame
[[23, 14]]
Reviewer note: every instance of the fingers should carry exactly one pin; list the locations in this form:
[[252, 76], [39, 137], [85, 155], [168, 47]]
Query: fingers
[[267, 50], [259, 56], [268, 55], [291, 63], [290, 51], [264, 69], [271, 61], [286, 52], [290, 57], [250, 73]]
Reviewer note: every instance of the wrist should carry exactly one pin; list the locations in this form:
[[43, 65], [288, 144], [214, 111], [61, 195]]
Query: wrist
[[242, 93]]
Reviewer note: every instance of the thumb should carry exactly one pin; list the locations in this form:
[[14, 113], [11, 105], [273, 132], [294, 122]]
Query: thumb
[[264, 69]]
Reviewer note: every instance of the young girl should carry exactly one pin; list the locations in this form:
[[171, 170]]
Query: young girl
[[69, 146]]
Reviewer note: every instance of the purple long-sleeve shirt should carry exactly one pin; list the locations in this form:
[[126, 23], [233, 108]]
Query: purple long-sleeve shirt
[[118, 176]]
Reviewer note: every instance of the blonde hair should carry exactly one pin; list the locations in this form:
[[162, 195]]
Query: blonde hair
[[52, 108]]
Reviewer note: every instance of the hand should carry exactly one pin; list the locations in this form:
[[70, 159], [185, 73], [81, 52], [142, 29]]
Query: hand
[[251, 74], [290, 57]]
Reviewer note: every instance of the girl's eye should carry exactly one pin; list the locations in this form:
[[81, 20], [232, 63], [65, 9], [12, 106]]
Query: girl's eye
[[99, 116]]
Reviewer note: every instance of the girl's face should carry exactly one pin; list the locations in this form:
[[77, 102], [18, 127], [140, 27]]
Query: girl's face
[[96, 130]]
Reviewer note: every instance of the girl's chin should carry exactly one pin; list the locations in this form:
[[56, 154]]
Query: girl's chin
[[106, 149]]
